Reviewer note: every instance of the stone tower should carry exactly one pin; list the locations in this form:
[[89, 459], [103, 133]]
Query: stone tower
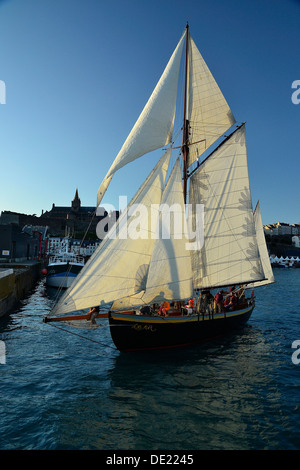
[[76, 203]]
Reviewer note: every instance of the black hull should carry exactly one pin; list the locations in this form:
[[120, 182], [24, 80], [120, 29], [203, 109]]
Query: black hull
[[136, 333]]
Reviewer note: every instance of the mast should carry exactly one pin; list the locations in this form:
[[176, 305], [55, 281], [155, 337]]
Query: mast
[[185, 130]]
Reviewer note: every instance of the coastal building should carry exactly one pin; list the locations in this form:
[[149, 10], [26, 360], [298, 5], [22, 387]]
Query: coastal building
[[281, 228], [84, 248], [73, 221], [295, 229]]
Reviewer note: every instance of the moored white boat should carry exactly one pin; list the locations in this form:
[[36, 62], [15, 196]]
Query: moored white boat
[[63, 268]]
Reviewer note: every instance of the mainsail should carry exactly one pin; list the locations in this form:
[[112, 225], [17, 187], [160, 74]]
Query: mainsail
[[230, 253]]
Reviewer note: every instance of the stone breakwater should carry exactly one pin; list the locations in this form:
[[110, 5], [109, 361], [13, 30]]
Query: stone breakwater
[[15, 281]]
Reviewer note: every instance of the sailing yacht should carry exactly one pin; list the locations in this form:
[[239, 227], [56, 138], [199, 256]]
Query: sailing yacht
[[197, 233]]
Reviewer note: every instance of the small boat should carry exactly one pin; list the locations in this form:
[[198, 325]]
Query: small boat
[[189, 232], [62, 269]]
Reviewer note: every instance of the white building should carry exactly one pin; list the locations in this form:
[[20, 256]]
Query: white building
[[57, 244], [281, 228]]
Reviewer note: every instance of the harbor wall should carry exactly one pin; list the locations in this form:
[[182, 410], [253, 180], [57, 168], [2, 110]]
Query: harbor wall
[[15, 282]]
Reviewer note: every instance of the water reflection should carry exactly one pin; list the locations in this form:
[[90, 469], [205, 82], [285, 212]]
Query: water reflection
[[238, 392], [212, 397], [193, 395]]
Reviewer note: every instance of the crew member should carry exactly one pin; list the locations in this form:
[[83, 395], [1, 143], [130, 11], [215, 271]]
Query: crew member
[[164, 308]]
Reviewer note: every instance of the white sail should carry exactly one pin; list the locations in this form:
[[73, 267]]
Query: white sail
[[103, 187], [127, 303], [208, 112], [119, 267], [230, 252], [154, 127], [263, 251], [170, 269]]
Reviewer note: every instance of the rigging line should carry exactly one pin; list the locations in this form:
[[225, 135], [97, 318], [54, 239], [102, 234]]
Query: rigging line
[[83, 337], [86, 232], [176, 134]]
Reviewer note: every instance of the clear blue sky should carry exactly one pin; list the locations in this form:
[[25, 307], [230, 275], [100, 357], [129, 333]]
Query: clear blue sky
[[78, 73]]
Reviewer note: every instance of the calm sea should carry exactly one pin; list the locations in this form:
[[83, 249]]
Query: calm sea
[[61, 391]]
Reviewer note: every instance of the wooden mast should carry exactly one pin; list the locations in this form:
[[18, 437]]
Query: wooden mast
[[185, 130]]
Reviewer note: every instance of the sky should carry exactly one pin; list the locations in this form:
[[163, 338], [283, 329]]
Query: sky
[[75, 76]]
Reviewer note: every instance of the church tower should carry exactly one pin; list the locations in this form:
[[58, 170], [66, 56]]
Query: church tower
[[76, 203]]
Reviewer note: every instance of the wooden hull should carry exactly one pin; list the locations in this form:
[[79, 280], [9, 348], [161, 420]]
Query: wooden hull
[[131, 332]]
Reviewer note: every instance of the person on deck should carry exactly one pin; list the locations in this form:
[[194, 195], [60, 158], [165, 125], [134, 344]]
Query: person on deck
[[164, 308], [218, 302], [93, 314], [233, 301], [190, 304], [200, 304], [209, 302], [226, 303]]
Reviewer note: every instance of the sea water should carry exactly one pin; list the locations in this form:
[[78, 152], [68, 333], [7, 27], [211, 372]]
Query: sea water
[[70, 389]]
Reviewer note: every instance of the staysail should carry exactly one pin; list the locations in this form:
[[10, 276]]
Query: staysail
[[230, 253], [119, 265], [154, 127], [170, 270]]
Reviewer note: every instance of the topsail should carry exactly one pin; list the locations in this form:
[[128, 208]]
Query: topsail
[[208, 113]]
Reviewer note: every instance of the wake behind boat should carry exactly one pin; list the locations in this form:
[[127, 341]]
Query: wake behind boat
[[197, 232]]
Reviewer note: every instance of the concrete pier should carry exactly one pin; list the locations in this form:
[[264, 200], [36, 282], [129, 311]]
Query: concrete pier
[[16, 279]]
